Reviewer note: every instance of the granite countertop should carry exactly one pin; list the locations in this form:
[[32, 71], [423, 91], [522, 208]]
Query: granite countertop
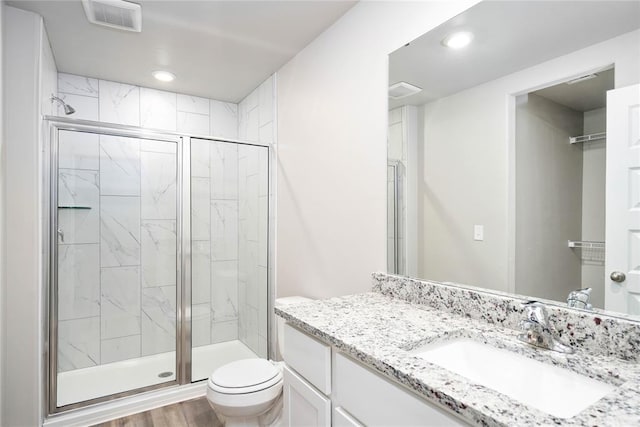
[[380, 331]]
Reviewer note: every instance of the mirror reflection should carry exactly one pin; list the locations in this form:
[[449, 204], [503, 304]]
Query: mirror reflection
[[514, 151]]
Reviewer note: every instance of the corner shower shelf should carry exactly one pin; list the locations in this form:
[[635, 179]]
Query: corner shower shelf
[[587, 138], [585, 244]]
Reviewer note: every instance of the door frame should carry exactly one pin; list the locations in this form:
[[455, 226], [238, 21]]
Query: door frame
[[511, 162]]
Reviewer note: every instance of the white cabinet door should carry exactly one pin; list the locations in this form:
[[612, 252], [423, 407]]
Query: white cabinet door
[[304, 406], [342, 418], [622, 252]]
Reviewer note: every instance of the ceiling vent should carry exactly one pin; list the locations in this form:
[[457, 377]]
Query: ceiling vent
[[119, 14], [402, 90]]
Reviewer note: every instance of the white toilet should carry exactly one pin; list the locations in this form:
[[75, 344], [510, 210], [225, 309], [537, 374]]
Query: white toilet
[[249, 392]]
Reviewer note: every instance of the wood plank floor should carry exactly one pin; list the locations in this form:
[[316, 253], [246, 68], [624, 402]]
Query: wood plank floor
[[191, 413]]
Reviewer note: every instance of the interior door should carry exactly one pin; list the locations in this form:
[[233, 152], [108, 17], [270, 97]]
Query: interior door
[[622, 260]]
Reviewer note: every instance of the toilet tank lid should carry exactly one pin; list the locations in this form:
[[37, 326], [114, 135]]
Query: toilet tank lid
[[291, 300]]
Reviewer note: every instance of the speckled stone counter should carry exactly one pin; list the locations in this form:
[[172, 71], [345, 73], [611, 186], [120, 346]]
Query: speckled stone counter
[[380, 331]]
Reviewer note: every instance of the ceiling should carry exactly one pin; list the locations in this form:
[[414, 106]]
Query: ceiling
[[508, 36], [582, 96], [217, 49]]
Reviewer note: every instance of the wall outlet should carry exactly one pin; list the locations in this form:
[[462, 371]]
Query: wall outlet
[[478, 232]]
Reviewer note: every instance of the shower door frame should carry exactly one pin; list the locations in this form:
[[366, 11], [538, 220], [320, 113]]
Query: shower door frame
[[52, 126]]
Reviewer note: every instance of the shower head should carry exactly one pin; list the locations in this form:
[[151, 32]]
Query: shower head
[[68, 109]]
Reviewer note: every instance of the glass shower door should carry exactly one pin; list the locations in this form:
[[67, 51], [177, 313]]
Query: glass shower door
[[115, 280], [395, 218], [229, 246]]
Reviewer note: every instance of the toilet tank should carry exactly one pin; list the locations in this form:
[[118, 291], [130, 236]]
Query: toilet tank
[[280, 321]]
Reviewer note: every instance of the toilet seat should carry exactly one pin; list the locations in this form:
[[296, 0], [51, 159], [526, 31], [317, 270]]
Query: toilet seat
[[245, 376]]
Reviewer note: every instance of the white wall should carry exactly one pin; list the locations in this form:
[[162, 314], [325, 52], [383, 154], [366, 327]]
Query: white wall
[[30, 71], [462, 183], [475, 124], [332, 124]]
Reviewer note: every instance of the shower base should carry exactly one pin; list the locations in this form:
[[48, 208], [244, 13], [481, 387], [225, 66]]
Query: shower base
[[105, 380]]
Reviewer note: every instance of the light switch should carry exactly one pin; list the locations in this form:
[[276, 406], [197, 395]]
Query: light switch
[[478, 232]]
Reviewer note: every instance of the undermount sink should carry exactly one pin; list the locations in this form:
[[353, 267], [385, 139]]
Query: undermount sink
[[551, 389]]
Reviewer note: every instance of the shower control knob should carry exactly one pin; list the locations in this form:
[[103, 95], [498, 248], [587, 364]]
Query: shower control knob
[[618, 276]]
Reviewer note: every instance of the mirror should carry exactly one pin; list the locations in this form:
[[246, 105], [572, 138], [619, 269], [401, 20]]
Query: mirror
[[506, 157]]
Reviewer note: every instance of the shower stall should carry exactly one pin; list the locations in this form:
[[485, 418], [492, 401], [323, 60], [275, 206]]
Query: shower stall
[[158, 268]]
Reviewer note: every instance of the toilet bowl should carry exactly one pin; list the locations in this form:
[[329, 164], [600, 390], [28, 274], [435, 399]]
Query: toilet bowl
[[248, 392]]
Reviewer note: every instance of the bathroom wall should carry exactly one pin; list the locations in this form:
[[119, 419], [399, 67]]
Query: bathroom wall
[[483, 159], [593, 204], [120, 103], [117, 259], [214, 225], [230, 199], [256, 119], [229, 249], [229, 202], [126, 324], [331, 157], [548, 197], [29, 76]]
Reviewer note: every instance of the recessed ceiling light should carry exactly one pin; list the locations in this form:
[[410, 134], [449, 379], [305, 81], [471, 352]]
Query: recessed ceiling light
[[164, 76], [457, 40]]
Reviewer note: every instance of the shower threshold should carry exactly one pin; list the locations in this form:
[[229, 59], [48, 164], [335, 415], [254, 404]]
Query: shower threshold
[[104, 380]]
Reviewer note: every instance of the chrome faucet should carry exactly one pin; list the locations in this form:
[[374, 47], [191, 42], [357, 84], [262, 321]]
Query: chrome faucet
[[538, 331], [580, 299]]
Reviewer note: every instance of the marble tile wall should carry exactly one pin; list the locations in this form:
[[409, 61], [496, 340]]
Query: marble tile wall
[[120, 103], [214, 233], [255, 123], [117, 255], [252, 246], [229, 222], [229, 203]]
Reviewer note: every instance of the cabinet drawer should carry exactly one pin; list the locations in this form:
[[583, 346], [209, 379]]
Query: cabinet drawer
[[308, 357], [303, 404], [375, 401]]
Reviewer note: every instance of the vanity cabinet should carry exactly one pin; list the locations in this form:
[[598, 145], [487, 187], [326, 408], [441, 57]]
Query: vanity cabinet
[[373, 400], [307, 380], [323, 387], [303, 404], [342, 418]]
